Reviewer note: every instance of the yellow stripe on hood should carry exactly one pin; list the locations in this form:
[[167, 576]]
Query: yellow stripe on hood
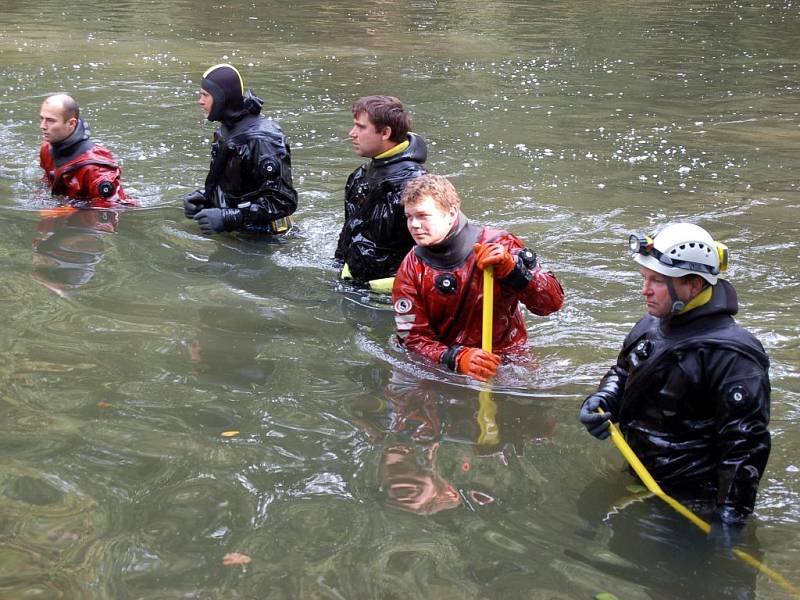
[[699, 300], [235, 70], [396, 150]]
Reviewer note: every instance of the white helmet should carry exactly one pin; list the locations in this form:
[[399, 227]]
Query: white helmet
[[681, 249]]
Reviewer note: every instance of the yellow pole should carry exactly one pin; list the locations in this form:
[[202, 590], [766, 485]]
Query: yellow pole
[[488, 308], [487, 409], [650, 484]]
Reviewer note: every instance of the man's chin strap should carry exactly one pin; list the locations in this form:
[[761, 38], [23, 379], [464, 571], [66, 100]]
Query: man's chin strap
[[677, 304]]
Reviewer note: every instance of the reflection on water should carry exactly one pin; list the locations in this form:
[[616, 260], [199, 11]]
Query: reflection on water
[[69, 245], [416, 420], [630, 518], [412, 486], [571, 124]]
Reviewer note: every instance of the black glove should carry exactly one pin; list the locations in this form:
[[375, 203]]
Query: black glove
[[210, 220], [193, 203], [596, 423]]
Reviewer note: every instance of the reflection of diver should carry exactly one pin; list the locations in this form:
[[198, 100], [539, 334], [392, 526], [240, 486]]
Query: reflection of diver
[[428, 410], [431, 460], [653, 547], [231, 344], [411, 481], [69, 245], [225, 353]]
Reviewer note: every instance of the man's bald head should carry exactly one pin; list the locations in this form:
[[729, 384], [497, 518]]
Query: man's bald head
[[58, 117], [69, 107]]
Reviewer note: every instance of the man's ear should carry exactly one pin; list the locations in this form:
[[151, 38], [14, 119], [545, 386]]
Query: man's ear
[[72, 123], [697, 283], [386, 133]]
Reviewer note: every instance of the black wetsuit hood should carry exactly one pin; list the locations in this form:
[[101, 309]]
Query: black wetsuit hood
[[243, 119], [231, 102], [72, 146]]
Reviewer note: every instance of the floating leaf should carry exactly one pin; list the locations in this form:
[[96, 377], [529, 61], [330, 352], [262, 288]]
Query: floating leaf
[[234, 558], [103, 404], [229, 433], [480, 497]]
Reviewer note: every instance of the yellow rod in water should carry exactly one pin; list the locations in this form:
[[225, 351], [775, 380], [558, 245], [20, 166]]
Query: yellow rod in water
[[650, 484], [488, 309], [487, 409]]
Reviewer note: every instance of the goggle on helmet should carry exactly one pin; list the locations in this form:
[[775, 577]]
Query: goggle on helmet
[[681, 249]]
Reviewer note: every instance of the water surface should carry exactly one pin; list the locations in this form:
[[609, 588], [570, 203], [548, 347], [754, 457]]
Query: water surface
[[132, 342]]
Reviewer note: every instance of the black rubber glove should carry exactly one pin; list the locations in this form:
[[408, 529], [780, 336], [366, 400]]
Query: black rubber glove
[[210, 220], [193, 203], [596, 423]]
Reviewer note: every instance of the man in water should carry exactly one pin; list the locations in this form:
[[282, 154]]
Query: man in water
[[690, 389], [374, 238], [74, 165], [249, 184], [438, 290]]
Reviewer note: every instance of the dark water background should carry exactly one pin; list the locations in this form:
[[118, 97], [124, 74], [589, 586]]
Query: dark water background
[[130, 342]]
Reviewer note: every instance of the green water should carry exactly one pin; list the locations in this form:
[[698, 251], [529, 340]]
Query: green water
[[131, 343]]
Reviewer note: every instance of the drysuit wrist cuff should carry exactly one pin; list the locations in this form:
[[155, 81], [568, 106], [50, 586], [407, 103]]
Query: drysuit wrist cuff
[[232, 219], [449, 357], [520, 276]]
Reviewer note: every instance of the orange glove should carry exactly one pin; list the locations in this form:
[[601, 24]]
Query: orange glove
[[496, 255], [477, 364]]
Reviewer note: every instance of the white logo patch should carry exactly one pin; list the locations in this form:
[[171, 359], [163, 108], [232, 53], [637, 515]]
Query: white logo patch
[[402, 306]]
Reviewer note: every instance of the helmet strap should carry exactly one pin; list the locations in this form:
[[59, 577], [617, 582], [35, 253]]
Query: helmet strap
[[677, 304]]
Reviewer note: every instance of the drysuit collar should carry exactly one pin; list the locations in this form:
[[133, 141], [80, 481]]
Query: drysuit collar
[[72, 146], [722, 301], [413, 148], [454, 249], [242, 120], [394, 150]]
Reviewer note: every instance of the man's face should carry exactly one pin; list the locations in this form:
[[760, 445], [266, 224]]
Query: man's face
[[52, 123], [368, 141], [427, 222], [206, 102], [410, 487], [656, 293]]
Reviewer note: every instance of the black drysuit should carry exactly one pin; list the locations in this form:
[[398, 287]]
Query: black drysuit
[[691, 395]]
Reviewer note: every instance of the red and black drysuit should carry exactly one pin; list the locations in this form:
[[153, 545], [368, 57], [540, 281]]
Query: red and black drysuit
[[438, 295], [82, 170]]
